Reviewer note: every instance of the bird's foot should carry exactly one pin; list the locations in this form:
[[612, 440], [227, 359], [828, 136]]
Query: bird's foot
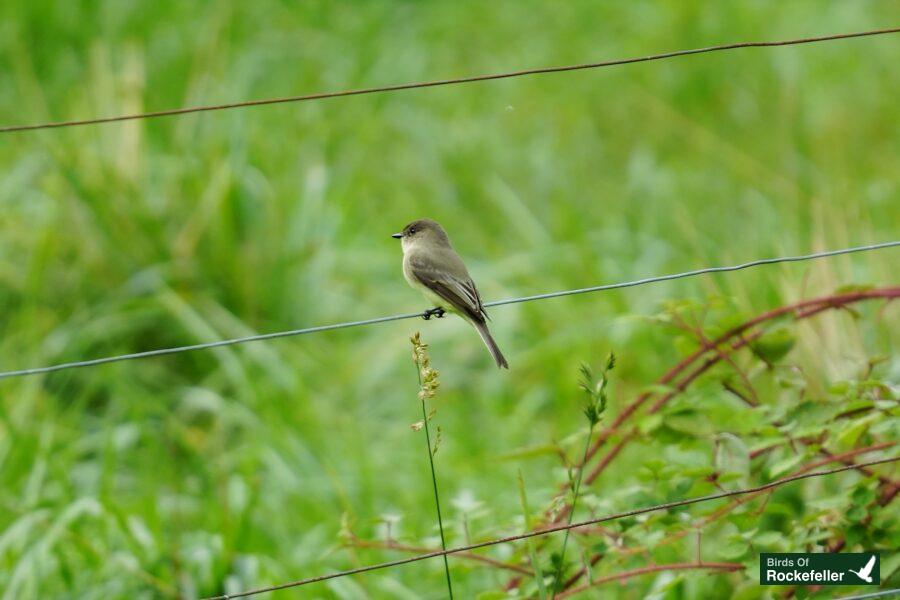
[[437, 312]]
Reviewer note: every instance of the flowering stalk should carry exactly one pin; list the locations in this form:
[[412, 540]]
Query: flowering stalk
[[428, 385]]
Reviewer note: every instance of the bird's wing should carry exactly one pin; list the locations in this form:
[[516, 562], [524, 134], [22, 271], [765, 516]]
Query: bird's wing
[[456, 287], [868, 568]]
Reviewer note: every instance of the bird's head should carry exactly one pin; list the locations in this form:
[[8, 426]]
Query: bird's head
[[422, 231]]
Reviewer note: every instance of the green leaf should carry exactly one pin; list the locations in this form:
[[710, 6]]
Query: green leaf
[[684, 344], [749, 590], [743, 520], [492, 595], [839, 388], [698, 472], [890, 564], [774, 344], [734, 549], [690, 424], [853, 534], [729, 477], [854, 429], [769, 539], [851, 288], [650, 423], [732, 455], [784, 465], [658, 388], [530, 452], [857, 513], [655, 465], [600, 547], [535, 563], [856, 405], [863, 496]]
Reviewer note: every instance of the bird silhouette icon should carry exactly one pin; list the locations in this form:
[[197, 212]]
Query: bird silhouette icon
[[866, 572]]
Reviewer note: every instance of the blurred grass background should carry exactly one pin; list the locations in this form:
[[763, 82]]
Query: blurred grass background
[[233, 467]]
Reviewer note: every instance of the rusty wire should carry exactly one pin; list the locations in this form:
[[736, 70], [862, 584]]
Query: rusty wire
[[553, 529], [443, 82]]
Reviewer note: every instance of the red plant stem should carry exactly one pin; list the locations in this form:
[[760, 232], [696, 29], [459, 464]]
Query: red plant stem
[[805, 308], [889, 493], [706, 343], [809, 308], [766, 449], [682, 385], [751, 402], [819, 304], [883, 479], [844, 457], [713, 566]]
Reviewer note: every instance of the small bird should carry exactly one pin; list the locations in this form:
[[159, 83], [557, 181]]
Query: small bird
[[432, 266]]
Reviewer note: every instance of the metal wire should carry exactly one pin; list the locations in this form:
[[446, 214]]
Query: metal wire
[[755, 263], [442, 82], [320, 328], [530, 534]]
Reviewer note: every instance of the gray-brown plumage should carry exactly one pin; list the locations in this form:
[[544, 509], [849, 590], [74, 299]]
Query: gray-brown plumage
[[432, 266]]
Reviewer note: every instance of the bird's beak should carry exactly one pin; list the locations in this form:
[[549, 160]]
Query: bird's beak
[[396, 236]]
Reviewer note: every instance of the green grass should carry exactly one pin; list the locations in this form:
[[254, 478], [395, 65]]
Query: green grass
[[232, 468]]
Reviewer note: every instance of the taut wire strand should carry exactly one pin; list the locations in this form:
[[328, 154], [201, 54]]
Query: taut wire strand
[[522, 536], [348, 324], [442, 82]]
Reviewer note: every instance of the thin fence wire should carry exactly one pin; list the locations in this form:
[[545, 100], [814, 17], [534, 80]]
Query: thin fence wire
[[320, 328], [554, 529], [443, 82]]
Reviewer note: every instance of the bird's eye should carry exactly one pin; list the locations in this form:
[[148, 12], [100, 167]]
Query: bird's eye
[[413, 230]]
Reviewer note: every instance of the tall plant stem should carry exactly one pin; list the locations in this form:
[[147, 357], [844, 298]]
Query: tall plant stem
[[437, 501], [557, 583]]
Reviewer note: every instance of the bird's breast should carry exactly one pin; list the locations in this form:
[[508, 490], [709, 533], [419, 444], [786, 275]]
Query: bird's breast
[[416, 284], [408, 272]]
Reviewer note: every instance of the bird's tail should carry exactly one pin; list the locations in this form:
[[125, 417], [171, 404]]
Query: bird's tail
[[482, 330]]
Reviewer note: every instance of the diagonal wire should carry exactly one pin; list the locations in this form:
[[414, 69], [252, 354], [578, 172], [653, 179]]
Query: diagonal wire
[[295, 332], [443, 82], [746, 265], [531, 534]]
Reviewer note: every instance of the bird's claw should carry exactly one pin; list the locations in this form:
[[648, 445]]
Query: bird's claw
[[433, 312]]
